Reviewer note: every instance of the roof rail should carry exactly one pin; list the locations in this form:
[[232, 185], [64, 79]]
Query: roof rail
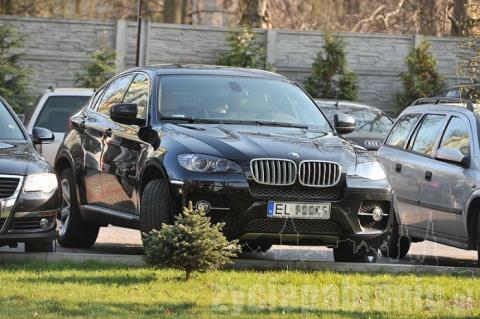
[[443, 100]]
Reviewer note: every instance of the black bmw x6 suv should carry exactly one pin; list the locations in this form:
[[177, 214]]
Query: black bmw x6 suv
[[247, 146]]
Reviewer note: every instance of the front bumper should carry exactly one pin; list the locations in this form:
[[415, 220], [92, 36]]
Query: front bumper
[[28, 216], [243, 208]]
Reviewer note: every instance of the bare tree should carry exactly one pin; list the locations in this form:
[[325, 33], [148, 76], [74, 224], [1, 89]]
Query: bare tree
[[255, 14]]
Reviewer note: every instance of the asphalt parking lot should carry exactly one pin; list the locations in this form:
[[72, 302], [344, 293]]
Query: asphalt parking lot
[[124, 242]]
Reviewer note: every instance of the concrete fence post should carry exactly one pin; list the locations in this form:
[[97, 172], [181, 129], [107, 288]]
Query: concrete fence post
[[120, 44], [144, 35], [271, 46]]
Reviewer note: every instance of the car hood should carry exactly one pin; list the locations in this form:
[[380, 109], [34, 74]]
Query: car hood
[[244, 142], [21, 158]]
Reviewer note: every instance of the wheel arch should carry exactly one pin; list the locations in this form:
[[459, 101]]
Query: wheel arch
[[471, 220], [151, 171]]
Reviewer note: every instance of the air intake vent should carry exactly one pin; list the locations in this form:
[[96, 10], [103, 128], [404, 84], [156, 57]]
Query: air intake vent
[[272, 171], [8, 185], [319, 174]]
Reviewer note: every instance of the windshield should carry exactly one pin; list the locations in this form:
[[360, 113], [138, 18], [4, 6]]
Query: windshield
[[233, 98], [369, 121], [9, 129], [56, 111]]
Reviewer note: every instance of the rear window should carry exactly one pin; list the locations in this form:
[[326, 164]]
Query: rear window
[[56, 111], [401, 130]]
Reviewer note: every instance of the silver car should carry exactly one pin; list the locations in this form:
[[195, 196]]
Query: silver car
[[432, 159]]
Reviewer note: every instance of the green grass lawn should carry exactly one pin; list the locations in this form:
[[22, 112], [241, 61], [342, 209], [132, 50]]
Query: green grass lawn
[[92, 290]]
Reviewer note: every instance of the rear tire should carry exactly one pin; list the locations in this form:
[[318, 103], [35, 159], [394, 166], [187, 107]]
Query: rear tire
[[156, 205], [395, 246], [39, 247], [73, 232], [347, 251]]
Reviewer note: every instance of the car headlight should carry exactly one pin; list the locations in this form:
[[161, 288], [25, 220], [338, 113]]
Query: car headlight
[[207, 164], [43, 182], [370, 170]]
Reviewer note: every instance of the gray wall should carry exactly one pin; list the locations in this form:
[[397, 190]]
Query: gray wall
[[56, 50]]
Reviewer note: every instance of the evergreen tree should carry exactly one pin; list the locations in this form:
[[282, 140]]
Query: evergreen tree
[[13, 78], [422, 78], [99, 70], [192, 243], [330, 76], [245, 50]]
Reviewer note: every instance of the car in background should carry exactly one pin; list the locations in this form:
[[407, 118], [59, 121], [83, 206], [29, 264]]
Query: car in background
[[29, 195], [52, 112], [248, 147], [465, 91], [432, 160], [372, 124]]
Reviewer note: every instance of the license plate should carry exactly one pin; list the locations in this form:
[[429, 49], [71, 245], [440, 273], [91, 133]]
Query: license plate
[[298, 210]]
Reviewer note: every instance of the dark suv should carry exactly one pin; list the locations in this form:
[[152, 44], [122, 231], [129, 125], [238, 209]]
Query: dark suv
[[247, 146]]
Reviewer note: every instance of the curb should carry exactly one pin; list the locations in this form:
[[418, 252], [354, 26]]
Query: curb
[[253, 264]]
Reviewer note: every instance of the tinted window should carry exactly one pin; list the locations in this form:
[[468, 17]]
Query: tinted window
[[456, 136], [114, 93], [427, 133], [238, 99], [399, 134], [369, 121], [138, 93], [56, 111], [9, 129], [96, 99]]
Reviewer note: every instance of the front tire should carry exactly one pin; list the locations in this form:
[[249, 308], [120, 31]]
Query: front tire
[[396, 246], [72, 231], [347, 251], [156, 205], [39, 247]]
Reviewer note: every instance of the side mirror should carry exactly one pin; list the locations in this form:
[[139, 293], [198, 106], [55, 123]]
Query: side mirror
[[126, 113], [42, 135], [344, 123], [452, 155]]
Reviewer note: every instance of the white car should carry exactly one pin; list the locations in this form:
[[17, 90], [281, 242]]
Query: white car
[[53, 111]]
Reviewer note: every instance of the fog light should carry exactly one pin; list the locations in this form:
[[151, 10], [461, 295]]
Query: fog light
[[377, 214], [203, 205], [44, 223]]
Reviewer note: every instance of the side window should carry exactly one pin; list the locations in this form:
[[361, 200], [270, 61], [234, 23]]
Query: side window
[[114, 93], [138, 93], [456, 136], [399, 133], [96, 98], [427, 133]]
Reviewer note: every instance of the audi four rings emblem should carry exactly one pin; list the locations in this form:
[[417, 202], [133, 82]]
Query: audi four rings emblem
[[294, 155], [373, 143]]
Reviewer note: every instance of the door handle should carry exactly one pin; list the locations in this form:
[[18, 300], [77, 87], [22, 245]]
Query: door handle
[[107, 133], [428, 176], [398, 167]]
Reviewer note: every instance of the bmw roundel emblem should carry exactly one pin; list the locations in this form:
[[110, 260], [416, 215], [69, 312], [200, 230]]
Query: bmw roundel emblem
[[294, 155]]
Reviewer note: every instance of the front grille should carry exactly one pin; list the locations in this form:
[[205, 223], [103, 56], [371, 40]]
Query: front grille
[[8, 185], [327, 193], [319, 174], [271, 171], [292, 226]]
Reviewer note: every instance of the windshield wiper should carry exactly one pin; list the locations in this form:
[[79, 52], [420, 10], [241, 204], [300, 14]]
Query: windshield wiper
[[283, 124], [230, 121]]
